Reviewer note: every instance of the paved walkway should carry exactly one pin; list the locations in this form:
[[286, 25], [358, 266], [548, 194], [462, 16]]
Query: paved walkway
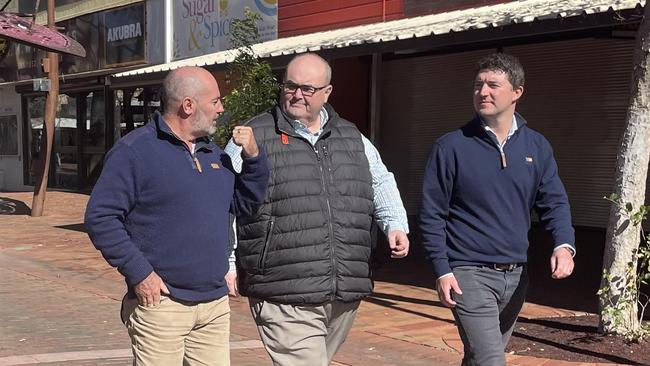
[[59, 303]]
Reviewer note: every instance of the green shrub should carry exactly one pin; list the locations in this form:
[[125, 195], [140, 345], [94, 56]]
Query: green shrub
[[256, 88]]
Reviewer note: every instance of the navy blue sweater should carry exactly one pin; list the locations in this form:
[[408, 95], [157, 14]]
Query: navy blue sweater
[[475, 211], [152, 209]]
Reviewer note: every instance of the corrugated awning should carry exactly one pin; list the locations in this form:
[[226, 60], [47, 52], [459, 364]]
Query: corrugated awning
[[499, 15]]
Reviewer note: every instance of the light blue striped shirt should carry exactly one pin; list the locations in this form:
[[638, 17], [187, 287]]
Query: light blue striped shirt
[[389, 209]]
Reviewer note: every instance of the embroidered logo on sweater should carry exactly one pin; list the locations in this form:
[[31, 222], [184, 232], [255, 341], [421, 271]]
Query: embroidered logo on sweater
[[529, 160], [215, 166]]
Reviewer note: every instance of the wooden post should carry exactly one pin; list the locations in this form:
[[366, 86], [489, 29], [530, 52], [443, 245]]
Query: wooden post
[[375, 98], [51, 65]]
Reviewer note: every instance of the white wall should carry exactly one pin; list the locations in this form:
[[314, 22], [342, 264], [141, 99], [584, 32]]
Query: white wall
[[11, 166]]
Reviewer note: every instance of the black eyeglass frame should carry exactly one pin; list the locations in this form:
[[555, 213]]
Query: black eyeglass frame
[[307, 90]]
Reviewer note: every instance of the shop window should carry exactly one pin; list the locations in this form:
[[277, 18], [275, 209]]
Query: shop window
[[136, 107], [93, 137], [65, 147], [79, 141], [8, 135], [35, 108]]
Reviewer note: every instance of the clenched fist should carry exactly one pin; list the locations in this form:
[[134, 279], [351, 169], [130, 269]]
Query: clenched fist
[[243, 136]]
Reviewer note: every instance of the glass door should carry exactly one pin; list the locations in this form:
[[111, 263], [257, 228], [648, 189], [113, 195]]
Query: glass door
[[92, 121], [65, 148], [79, 139]]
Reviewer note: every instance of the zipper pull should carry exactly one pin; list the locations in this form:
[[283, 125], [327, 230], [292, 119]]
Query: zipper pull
[[198, 164], [504, 163], [325, 150], [317, 154]]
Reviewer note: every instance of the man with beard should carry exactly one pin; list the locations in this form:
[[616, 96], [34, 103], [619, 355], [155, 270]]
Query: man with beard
[[159, 213]]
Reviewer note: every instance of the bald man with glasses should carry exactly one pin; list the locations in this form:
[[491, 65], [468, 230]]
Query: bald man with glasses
[[303, 260]]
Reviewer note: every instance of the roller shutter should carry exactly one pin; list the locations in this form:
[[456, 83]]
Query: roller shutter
[[576, 94]]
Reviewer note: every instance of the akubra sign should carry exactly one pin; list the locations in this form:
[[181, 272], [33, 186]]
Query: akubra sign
[[124, 35]]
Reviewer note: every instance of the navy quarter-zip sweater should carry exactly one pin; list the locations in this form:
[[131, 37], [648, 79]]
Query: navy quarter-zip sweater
[[156, 208], [475, 211]]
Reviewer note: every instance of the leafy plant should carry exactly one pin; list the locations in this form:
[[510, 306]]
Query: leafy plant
[[628, 287], [256, 87]]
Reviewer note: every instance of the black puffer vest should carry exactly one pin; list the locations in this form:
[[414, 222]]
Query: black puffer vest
[[310, 241]]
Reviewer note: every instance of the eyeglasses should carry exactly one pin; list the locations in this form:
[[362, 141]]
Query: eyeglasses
[[307, 90]]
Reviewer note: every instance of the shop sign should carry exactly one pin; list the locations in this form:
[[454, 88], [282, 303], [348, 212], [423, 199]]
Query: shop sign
[[124, 35], [203, 26]]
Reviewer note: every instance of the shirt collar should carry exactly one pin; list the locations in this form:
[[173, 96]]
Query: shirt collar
[[511, 132], [299, 126]]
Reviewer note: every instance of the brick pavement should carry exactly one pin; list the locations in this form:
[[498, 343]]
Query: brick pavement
[[60, 303]]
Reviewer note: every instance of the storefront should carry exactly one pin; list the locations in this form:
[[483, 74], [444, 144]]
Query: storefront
[[91, 115], [93, 112], [408, 82], [405, 83], [576, 94]]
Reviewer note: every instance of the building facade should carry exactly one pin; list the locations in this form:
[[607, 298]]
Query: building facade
[[406, 91], [92, 113], [116, 36], [402, 71]]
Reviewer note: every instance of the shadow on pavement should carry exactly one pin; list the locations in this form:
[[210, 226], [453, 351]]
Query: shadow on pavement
[[74, 227], [10, 206], [385, 301], [577, 292], [389, 297]]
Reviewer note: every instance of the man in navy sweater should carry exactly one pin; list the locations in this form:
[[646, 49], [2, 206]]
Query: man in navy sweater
[[480, 185], [159, 213]]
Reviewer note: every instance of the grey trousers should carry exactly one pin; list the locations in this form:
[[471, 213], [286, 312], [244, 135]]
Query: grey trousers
[[296, 335], [487, 310]]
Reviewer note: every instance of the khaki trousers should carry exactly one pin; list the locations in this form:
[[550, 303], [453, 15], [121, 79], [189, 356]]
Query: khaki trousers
[[296, 335], [178, 333]]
